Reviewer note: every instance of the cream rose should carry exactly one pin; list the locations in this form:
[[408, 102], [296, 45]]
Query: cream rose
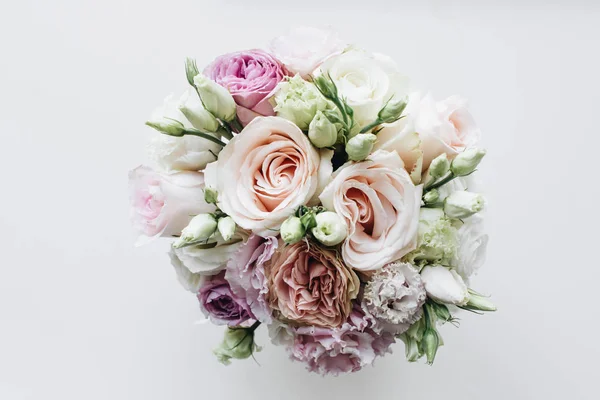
[[429, 129], [380, 206], [266, 172], [366, 81]]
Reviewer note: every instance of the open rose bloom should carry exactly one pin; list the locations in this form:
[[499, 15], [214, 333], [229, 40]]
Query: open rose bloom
[[344, 224]]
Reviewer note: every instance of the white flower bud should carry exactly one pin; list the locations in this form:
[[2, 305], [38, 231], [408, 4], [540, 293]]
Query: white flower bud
[[439, 166], [211, 196], [463, 204], [201, 227], [226, 227], [479, 302], [331, 229], [430, 343], [392, 111], [197, 115], [217, 100], [431, 197], [359, 147], [466, 162], [292, 230], [444, 285], [238, 343], [167, 126], [321, 132]]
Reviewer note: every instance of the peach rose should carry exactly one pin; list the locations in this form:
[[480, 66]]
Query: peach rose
[[310, 285], [380, 206], [266, 172], [429, 129]]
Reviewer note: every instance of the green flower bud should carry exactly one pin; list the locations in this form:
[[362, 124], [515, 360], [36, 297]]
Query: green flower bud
[[211, 196], [226, 227], [326, 86], [439, 166], [201, 227], [292, 230], [430, 344], [431, 197], [463, 204], [238, 343], [216, 99], [167, 126], [331, 228], [479, 302], [198, 116], [298, 101], [392, 111], [191, 70], [321, 132], [466, 162], [359, 147], [411, 348]]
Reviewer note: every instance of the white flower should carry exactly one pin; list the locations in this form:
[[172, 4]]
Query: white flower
[[303, 49], [366, 81], [189, 280], [298, 101], [472, 246], [444, 285]]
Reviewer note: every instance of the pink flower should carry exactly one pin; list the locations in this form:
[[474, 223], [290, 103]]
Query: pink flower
[[246, 274], [303, 49], [221, 305], [380, 205], [266, 172], [251, 77], [162, 205], [311, 286], [340, 350]]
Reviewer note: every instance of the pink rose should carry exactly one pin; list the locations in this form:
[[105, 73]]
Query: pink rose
[[251, 77], [266, 172], [221, 305], [303, 49], [162, 205], [380, 205], [309, 285], [429, 129]]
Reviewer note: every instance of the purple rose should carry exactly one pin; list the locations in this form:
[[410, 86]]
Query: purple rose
[[246, 274], [251, 77], [221, 305]]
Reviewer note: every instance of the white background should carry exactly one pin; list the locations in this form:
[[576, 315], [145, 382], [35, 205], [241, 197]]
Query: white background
[[85, 315]]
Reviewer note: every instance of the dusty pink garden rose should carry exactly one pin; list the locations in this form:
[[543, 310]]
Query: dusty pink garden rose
[[304, 48], [221, 305], [309, 285], [380, 205], [266, 172], [251, 77], [429, 129], [161, 204]]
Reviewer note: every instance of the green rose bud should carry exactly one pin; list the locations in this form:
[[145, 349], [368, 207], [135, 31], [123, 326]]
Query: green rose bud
[[168, 126], [431, 197], [331, 229], [439, 166], [216, 99], [298, 101], [238, 343], [392, 111], [359, 147], [210, 196], [226, 227], [463, 204], [321, 132], [430, 344], [201, 227], [466, 162], [292, 230]]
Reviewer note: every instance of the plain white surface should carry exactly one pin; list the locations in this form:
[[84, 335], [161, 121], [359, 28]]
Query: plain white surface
[[85, 315]]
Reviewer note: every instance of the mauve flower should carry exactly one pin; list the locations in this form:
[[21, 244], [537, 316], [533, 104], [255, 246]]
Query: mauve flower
[[246, 274], [221, 305], [251, 77], [310, 285], [337, 350]]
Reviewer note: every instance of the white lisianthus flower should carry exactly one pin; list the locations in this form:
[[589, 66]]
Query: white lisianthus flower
[[444, 285], [472, 246], [298, 101], [189, 280], [366, 81]]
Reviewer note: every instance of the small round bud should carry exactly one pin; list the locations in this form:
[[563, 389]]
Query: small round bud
[[217, 100], [392, 110], [431, 197], [226, 227], [201, 227], [466, 162], [321, 132], [359, 147], [439, 166], [463, 204], [238, 343], [210, 196], [331, 229], [292, 230]]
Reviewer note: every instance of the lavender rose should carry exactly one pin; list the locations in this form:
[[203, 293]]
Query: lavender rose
[[251, 77], [221, 305]]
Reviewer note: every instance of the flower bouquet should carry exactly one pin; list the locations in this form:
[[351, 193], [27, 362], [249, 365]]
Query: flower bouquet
[[308, 189]]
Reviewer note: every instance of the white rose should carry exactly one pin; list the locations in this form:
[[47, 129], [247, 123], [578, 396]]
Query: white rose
[[303, 49], [472, 246], [444, 285], [189, 280], [366, 81]]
